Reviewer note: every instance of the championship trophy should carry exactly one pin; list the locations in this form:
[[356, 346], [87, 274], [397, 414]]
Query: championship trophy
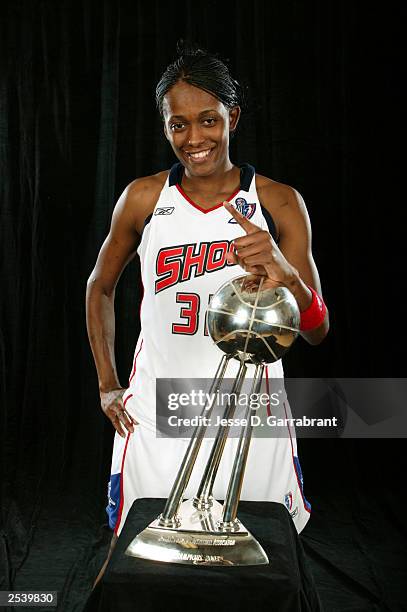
[[255, 326]]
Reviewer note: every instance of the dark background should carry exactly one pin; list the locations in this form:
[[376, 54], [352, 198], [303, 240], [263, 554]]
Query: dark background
[[78, 123]]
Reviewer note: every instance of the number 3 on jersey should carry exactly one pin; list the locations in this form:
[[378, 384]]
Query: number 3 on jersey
[[189, 311], [190, 305]]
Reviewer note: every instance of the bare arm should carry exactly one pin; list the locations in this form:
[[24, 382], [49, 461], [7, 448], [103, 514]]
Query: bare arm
[[290, 263], [118, 249], [295, 244]]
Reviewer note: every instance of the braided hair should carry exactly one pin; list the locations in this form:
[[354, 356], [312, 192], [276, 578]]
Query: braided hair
[[202, 69]]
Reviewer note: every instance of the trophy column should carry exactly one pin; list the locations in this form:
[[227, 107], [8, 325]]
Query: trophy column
[[256, 326]]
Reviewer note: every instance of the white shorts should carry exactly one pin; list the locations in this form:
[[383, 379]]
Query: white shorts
[[146, 466]]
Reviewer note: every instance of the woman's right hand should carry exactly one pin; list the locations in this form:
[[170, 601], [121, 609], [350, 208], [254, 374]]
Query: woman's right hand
[[113, 407]]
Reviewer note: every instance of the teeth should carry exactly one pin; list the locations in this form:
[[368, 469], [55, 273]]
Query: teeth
[[200, 154]]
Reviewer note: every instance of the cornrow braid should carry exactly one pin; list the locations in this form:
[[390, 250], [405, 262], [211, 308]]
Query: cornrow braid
[[205, 70]]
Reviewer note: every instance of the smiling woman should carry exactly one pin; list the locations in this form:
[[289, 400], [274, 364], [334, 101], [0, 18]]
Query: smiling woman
[[200, 139], [200, 136], [194, 227]]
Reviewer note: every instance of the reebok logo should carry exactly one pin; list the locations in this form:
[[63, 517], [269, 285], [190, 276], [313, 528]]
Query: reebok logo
[[165, 210]]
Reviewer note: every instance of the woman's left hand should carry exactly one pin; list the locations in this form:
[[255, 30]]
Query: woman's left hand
[[257, 253]]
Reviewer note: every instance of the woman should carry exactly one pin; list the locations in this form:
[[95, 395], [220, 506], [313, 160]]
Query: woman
[[186, 227]]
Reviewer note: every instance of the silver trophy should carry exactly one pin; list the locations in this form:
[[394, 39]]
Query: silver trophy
[[253, 325]]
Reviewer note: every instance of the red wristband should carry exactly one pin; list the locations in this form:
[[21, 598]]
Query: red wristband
[[313, 316]]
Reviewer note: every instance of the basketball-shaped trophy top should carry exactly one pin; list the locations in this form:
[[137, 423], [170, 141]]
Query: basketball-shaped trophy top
[[251, 323]]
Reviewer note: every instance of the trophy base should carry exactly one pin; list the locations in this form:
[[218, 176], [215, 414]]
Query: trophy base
[[200, 539]]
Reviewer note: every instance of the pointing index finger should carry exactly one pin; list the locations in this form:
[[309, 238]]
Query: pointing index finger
[[248, 227]]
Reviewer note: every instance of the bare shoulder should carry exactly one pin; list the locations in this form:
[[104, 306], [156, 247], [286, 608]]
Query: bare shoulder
[[285, 204], [146, 188], [150, 181], [276, 194], [140, 196]]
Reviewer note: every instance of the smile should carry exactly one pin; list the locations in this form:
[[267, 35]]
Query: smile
[[201, 156]]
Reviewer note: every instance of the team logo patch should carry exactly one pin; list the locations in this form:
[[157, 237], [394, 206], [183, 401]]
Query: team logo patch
[[166, 210], [245, 208], [288, 502]]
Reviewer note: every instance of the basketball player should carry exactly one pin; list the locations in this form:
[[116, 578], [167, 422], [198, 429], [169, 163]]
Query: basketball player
[[195, 226]]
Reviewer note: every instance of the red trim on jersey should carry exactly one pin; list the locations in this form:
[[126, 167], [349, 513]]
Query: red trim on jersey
[[204, 210], [135, 362], [128, 435], [128, 397], [295, 469], [133, 369], [121, 486]]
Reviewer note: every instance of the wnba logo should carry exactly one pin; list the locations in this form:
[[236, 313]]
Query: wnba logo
[[288, 500], [246, 209]]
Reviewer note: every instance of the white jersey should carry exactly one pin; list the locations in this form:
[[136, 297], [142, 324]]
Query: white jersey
[[183, 263]]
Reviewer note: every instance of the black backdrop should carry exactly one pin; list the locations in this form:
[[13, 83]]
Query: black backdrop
[[78, 123]]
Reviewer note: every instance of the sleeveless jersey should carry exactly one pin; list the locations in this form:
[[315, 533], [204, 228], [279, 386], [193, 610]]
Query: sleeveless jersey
[[183, 263]]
